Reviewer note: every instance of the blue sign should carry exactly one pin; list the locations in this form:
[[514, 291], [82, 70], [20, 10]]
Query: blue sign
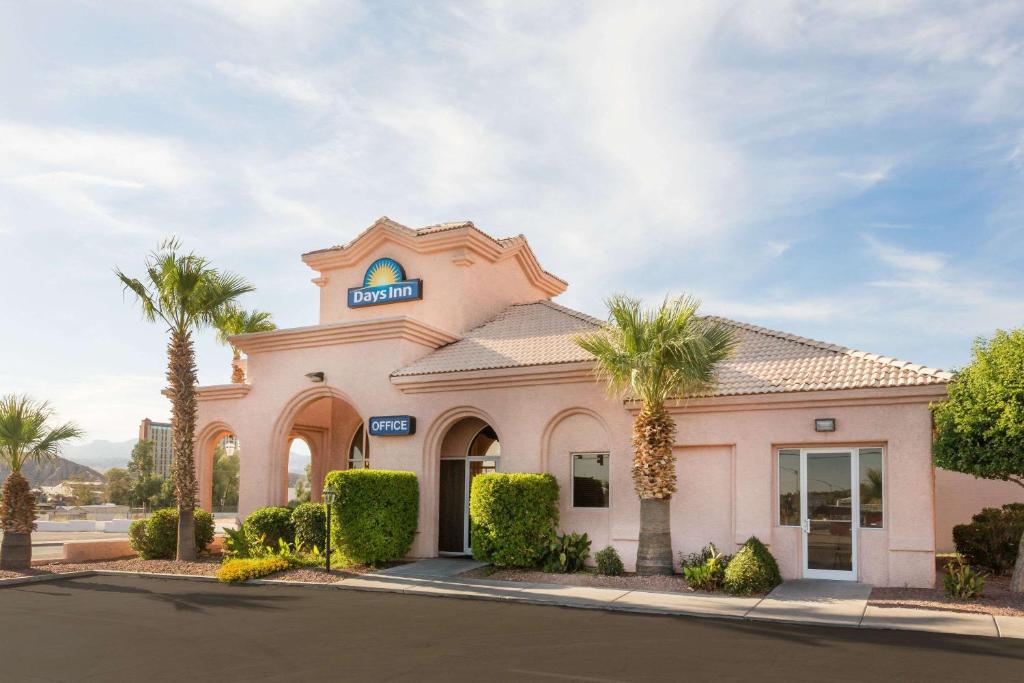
[[393, 425], [384, 283]]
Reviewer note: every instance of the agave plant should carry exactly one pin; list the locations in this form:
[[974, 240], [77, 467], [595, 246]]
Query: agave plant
[[653, 356], [233, 320], [26, 435]]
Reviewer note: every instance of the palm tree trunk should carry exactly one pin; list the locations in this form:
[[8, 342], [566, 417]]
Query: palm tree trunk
[[19, 512], [181, 375], [237, 374], [654, 477]]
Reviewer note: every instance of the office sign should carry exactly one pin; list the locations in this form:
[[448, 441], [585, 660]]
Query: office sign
[[392, 425], [384, 283]]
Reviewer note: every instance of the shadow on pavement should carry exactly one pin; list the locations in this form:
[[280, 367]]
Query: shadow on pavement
[[246, 597]]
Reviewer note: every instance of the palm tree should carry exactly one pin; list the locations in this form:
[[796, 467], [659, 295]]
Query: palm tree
[[25, 435], [234, 320], [654, 355], [186, 293]]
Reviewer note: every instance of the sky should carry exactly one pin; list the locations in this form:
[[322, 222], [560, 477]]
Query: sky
[[851, 172]]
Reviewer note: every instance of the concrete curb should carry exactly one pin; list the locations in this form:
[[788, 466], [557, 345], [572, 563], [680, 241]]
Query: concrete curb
[[513, 593]]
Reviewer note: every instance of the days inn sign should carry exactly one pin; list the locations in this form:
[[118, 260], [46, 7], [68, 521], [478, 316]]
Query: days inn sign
[[384, 283]]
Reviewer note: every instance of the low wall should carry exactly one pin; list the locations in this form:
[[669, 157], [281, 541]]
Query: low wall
[[959, 496], [113, 549], [74, 525]]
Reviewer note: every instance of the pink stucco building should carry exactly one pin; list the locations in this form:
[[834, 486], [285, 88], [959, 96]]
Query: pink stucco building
[[441, 351]]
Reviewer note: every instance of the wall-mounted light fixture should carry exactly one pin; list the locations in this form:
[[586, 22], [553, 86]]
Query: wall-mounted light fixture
[[825, 424], [315, 376]]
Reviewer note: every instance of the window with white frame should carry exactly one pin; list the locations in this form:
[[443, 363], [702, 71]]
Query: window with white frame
[[590, 478], [359, 451], [869, 476]]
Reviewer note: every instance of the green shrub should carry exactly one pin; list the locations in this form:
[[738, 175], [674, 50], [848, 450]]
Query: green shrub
[[608, 562], [377, 512], [752, 570], [156, 538], [236, 544], [962, 581], [708, 575], [566, 553], [991, 539], [243, 569], [310, 523], [271, 524], [701, 558], [513, 517]]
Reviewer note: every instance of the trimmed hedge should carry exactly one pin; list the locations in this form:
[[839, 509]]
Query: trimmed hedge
[[156, 538], [608, 562], [377, 512], [992, 538], [271, 524], [234, 571], [514, 515], [752, 570], [310, 523]]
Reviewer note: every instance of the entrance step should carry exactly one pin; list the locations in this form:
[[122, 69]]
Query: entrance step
[[434, 568], [815, 600]]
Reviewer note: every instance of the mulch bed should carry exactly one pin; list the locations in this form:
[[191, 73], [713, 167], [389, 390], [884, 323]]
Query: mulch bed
[[206, 565], [667, 584], [997, 599]]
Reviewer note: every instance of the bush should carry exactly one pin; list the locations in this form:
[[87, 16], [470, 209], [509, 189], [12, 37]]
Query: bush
[[242, 569], [752, 570], [269, 525], [961, 581], [377, 513], [567, 553], [992, 538], [608, 562], [709, 574], [701, 558], [310, 523], [513, 516], [156, 538]]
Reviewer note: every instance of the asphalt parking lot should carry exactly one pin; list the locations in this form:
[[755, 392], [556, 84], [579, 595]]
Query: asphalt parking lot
[[133, 629]]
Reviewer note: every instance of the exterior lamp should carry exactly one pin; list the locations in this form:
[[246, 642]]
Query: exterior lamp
[[329, 495]]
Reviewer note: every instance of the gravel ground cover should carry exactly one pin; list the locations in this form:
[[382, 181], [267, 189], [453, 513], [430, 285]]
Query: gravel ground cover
[[997, 599], [204, 566], [669, 584]]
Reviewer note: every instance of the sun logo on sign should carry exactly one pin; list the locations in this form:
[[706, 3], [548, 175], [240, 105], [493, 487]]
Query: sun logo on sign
[[383, 271]]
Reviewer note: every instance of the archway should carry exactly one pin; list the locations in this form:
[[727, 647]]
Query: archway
[[470, 447], [327, 423], [218, 455]]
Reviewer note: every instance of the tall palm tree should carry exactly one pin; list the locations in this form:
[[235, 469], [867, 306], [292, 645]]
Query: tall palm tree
[[234, 320], [186, 293], [655, 355], [25, 435]]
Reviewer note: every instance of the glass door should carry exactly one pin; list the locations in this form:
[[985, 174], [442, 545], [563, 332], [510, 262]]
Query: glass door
[[827, 504], [475, 466]]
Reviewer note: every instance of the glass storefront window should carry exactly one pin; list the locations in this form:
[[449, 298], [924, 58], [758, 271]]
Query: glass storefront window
[[789, 487], [359, 451], [871, 488], [590, 477]]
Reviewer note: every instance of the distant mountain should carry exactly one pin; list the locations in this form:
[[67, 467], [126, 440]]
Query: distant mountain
[[101, 455], [54, 471]]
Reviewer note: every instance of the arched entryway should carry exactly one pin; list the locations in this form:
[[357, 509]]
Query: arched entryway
[[218, 452], [469, 448], [329, 425]]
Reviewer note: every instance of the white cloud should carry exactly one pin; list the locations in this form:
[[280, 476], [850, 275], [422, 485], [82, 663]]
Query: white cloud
[[296, 89], [870, 177], [906, 259]]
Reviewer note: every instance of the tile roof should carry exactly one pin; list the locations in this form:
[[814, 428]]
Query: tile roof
[[766, 361]]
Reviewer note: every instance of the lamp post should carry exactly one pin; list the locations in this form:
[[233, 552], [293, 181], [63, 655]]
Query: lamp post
[[329, 499]]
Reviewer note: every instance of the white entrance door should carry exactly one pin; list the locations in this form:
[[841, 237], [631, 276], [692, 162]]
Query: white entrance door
[[828, 505], [475, 465]]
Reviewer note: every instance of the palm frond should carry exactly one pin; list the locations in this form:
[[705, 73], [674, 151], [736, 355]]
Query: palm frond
[[25, 433]]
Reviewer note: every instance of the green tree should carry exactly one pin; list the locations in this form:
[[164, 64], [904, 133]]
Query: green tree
[[654, 355], [26, 435], [225, 479], [164, 493], [234, 320], [145, 485], [979, 430], [118, 486], [185, 293]]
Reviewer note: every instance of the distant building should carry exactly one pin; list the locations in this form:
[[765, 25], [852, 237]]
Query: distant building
[[163, 447]]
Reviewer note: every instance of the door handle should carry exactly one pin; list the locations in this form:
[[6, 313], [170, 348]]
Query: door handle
[[805, 524]]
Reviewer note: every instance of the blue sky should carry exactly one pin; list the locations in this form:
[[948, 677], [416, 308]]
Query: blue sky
[[849, 172]]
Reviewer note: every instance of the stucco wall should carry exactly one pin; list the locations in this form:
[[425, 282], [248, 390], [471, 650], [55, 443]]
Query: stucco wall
[[959, 496]]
